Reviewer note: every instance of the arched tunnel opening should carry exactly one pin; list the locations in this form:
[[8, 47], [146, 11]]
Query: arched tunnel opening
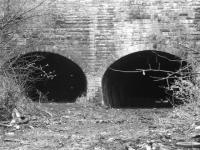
[[140, 79], [56, 77]]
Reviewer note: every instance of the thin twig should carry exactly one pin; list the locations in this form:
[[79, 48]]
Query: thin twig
[[140, 70]]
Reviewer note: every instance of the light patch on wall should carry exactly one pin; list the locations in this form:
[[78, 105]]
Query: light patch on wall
[[123, 34]]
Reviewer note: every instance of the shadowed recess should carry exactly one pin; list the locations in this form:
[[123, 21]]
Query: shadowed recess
[[61, 80], [137, 79]]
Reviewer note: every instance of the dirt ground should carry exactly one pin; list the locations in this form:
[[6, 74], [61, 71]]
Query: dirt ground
[[79, 127]]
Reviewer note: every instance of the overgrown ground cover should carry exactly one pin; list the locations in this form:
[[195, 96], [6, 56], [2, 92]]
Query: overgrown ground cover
[[93, 127], [76, 126]]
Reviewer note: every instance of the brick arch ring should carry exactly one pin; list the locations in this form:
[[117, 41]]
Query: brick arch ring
[[140, 79], [61, 79]]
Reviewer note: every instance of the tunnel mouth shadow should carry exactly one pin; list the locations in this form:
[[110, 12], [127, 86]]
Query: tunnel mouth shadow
[[138, 80], [59, 80]]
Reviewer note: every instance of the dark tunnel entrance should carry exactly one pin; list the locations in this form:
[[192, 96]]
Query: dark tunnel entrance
[[134, 80], [61, 80]]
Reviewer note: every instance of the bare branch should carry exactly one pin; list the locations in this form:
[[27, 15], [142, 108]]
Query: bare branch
[[140, 70], [30, 10]]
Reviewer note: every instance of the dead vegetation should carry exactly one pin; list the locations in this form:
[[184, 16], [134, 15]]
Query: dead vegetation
[[16, 108]]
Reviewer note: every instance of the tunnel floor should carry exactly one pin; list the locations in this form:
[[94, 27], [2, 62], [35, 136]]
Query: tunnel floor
[[61, 80], [137, 80]]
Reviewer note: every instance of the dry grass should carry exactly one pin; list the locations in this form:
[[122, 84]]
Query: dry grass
[[93, 99], [184, 118], [9, 97], [12, 96]]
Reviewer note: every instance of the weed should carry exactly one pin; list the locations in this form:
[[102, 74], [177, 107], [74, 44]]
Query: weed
[[15, 73]]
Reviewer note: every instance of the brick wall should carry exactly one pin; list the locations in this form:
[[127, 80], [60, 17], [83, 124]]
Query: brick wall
[[95, 33]]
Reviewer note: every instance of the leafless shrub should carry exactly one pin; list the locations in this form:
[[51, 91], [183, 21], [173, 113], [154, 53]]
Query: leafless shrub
[[15, 71], [182, 118]]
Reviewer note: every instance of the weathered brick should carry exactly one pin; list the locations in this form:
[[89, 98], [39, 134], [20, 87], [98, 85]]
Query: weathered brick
[[93, 32]]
